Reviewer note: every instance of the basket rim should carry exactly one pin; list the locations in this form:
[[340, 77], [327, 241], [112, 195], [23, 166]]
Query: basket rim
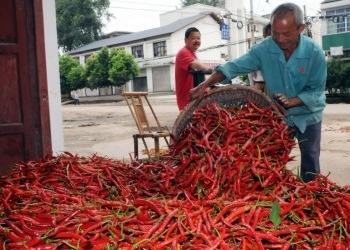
[[187, 112]]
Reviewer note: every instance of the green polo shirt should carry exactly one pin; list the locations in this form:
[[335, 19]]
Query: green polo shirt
[[303, 75]]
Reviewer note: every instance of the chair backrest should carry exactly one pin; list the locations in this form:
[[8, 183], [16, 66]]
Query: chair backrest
[[137, 102]]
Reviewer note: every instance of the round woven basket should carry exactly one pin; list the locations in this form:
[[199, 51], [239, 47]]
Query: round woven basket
[[227, 96]]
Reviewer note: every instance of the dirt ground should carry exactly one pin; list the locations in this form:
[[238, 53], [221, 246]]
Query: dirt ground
[[106, 129]]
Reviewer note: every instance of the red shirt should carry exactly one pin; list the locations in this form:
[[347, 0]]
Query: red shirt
[[183, 78]]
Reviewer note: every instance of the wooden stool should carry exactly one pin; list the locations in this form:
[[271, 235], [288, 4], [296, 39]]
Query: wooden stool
[[143, 123]]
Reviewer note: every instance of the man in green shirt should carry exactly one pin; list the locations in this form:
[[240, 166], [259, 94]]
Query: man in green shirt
[[294, 70]]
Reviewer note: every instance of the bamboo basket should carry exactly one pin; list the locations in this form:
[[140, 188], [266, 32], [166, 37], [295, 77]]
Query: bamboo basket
[[228, 96]]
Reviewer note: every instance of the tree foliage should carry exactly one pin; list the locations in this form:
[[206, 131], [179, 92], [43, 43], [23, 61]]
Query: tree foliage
[[79, 21], [207, 2], [72, 74], [338, 77], [110, 68], [77, 78], [123, 67], [97, 67], [345, 78]]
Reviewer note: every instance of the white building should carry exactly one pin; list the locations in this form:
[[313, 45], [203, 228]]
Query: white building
[[155, 49], [336, 28]]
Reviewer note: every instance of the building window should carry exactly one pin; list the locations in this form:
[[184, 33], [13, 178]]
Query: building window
[[159, 49], [137, 51], [338, 21], [119, 48], [86, 57]]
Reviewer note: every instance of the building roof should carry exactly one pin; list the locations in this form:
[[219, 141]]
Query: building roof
[[115, 33], [139, 36], [329, 1]]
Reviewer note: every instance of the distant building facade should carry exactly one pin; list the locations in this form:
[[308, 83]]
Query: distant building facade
[[336, 28], [155, 49]]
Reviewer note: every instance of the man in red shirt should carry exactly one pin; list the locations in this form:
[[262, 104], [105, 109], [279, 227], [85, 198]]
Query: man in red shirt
[[186, 62]]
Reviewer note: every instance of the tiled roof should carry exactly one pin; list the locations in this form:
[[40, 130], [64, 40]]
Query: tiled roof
[[138, 36]]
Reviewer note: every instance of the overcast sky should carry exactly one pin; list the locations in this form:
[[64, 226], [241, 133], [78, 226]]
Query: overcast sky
[[137, 15]]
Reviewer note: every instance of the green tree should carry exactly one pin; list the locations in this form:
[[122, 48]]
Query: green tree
[[97, 67], [207, 2], [77, 78], [333, 83], [110, 68], [79, 21], [345, 78], [123, 67], [72, 75]]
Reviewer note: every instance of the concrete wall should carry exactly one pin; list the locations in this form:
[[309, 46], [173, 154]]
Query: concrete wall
[[334, 4], [210, 38], [331, 6], [53, 80], [317, 32]]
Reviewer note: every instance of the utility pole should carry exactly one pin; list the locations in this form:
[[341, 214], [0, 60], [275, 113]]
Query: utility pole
[[229, 19], [307, 24], [252, 29], [229, 54]]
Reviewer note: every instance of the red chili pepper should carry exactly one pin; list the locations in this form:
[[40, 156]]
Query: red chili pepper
[[15, 228], [233, 215], [149, 204], [165, 222], [15, 237], [93, 227], [69, 235], [168, 242], [232, 205], [34, 241]]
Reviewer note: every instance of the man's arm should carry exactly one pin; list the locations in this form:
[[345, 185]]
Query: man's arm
[[200, 89], [244, 64], [311, 96], [197, 65]]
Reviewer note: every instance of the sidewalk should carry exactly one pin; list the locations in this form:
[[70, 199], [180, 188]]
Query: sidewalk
[[162, 96]]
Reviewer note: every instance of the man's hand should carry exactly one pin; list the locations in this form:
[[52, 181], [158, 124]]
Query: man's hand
[[288, 102], [259, 86], [201, 88], [197, 92]]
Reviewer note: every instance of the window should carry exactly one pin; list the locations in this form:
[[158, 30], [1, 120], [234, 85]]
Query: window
[[338, 21], [87, 57], [137, 51], [119, 48], [159, 49]]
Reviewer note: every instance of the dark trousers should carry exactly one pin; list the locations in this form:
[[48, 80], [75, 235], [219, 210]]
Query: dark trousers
[[309, 144]]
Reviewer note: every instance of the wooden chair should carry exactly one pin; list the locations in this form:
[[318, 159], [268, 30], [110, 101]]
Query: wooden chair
[[135, 102]]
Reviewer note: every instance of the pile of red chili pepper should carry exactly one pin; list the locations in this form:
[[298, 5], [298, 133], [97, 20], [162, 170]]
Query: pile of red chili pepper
[[224, 186]]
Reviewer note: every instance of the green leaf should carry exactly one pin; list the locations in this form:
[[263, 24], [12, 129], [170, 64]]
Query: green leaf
[[275, 214], [80, 22]]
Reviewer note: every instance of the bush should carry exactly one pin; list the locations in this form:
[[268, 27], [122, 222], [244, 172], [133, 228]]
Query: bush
[[97, 67], [338, 77], [123, 67], [110, 68], [72, 74]]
